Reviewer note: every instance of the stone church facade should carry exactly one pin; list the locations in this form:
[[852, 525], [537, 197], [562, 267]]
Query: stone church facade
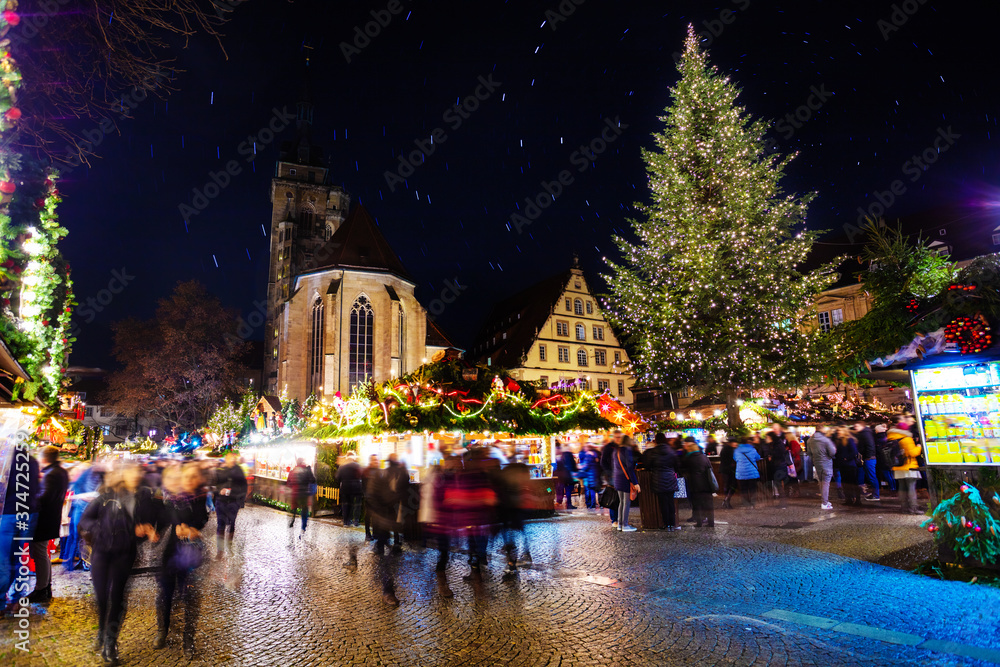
[[341, 305]]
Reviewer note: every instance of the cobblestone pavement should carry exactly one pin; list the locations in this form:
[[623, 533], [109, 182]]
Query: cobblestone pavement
[[736, 595]]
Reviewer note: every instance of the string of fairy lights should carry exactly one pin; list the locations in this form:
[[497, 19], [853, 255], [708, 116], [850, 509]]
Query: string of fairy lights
[[710, 292]]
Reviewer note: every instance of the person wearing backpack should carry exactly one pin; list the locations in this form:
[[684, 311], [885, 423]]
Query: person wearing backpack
[[113, 524], [185, 510], [903, 453]]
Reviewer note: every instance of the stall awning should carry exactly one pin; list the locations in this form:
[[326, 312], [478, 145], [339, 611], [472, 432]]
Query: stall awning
[[955, 359]]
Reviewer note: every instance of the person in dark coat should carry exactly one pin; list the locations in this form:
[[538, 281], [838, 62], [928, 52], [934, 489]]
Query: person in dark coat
[[727, 468], [566, 470], [398, 479], [661, 461], [869, 458], [778, 459], [697, 470], [55, 484], [608, 463], [368, 476], [185, 511], [884, 466], [590, 474], [113, 524], [624, 478], [300, 482], [230, 496], [349, 479], [846, 461]]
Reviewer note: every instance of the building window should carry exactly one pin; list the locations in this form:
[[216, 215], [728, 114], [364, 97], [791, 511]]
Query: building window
[[603, 385], [569, 306], [618, 357], [88, 411], [576, 285], [316, 339], [544, 380], [361, 349], [684, 392], [541, 352], [563, 354], [585, 384], [590, 308], [578, 307], [562, 328], [996, 239], [274, 352], [581, 332], [598, 333], [106, 429], [600, 357], [401, 345], [581, 357], [830, 319], [306, 218], [621, 387], [291, 172]]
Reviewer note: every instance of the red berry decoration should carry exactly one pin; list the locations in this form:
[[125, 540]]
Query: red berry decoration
[[13, 113], [11, 17], [931, 528], [7, 187], [912, 305], [971, 334]]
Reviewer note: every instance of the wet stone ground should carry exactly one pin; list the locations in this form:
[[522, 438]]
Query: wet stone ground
[[752, 591]]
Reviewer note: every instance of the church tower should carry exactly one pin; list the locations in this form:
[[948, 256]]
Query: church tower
[[305, 212]]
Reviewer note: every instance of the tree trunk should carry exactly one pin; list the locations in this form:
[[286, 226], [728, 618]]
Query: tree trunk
[[733, 410]]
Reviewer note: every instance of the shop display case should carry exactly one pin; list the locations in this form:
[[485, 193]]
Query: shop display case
[[958, 412]]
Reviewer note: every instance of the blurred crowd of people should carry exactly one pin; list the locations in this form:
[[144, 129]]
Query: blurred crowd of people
[[115, 505]]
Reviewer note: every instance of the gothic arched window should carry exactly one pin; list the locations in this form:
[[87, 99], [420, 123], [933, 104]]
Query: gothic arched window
[[361, 350], [316, 340]]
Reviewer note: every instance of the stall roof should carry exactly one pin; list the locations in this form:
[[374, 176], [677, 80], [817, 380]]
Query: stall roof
[[955, 359]]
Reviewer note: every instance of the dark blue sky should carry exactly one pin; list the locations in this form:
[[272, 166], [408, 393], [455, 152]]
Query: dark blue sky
[[886, 93]]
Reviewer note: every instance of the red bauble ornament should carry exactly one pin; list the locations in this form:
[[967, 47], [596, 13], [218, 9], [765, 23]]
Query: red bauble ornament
[[40, 202], [7, 187], [45, 323], [11, 17], [963, 488], [13, 113], [971, 334], [931, 528]]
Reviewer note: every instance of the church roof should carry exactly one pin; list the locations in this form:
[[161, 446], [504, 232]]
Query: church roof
[[520, 317], [358, 244], [435, 337]]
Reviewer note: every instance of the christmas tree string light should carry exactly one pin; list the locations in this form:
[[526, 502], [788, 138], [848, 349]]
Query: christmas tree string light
[[709, 293]]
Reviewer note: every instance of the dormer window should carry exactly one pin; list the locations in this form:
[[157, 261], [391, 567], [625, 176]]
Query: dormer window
[[291, 172]]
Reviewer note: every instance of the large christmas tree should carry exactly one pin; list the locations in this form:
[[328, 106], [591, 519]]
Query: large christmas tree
[[711, 292]]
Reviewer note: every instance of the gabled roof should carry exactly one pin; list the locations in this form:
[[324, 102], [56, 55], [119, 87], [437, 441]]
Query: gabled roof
[[359, 244], [520, 317], [435, 337]]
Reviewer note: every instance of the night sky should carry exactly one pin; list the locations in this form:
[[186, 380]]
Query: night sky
[[886, 93]]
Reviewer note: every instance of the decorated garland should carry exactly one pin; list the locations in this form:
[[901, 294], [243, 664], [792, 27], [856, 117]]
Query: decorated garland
[[35, 287], [437, 398], [967, 524], [971, 334]]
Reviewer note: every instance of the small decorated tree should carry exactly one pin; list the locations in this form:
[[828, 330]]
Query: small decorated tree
[[966, 524]]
